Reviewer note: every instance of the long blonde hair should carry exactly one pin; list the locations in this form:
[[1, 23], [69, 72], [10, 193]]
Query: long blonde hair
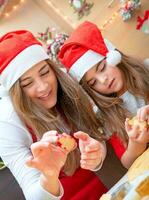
[[113, 113], [73, 112]]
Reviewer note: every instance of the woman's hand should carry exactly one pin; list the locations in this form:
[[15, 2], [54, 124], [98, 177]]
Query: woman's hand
[[47, 157], [92, 151]]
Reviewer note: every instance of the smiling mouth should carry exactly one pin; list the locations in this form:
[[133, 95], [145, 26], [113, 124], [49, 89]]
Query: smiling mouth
[[111, 83], [44, 97]]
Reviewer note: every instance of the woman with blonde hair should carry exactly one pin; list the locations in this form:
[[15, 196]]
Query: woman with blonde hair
[[40, 104], [118, 84]]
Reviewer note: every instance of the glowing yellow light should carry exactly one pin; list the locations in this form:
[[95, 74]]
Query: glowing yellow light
[[49, 2], [57, 10], [14, 7], [116, 13], [7, 14]]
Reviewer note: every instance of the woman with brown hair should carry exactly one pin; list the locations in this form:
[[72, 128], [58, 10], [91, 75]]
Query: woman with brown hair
[[118, 84], [39, 105]]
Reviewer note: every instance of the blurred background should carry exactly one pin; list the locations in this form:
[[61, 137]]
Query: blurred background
[[118, 20]]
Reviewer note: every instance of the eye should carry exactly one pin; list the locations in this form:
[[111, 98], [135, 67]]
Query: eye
[[102, 67], [92, 83], [44, 72], [26, 85]]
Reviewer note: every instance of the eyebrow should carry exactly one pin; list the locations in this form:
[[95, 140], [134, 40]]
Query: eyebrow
[[27, 78], [43, 67]]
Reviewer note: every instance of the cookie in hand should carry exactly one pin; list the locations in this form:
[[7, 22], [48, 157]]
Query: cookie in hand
[[134, 121], [66, 142]]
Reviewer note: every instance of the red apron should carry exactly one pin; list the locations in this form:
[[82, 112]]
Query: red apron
[[117, 145], [83, 185]]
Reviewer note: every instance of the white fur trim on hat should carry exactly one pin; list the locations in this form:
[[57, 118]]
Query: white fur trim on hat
[[113, 57], [91, 58], [21, 63], [84, 63]]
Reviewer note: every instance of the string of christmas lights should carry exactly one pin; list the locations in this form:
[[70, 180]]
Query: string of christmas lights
[[15, 7], [110, 20]]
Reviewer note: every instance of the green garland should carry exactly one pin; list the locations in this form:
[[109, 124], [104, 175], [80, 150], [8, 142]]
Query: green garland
[[2, 165]]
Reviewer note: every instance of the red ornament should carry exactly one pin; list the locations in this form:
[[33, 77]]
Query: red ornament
[[142, 20]]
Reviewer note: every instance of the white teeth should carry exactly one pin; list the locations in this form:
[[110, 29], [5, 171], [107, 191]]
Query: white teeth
[[45, 96]]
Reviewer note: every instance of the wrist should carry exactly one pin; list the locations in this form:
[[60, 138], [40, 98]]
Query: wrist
[[132, 143], [99, 166], [50, 184]]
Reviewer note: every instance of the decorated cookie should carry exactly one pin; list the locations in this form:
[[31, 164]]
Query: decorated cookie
[[134, 121], [143, 188], [66, 142]]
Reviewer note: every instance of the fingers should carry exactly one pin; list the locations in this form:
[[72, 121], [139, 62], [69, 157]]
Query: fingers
[[127, 126], [143, 137], [51, 139], [50, 136], [90, 156], [31, 162], [38, 147], [131, 131], [90, 143], [93, 146], [35, 163], [81, 135], [90, 161], [86, 165], [142, 113], [134, 133], [50, 133]]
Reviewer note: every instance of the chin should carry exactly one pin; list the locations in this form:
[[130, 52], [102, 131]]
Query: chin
[[50, 105]]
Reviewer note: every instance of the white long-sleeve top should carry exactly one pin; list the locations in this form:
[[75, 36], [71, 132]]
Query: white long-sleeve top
[[15, 142], [132, 103]]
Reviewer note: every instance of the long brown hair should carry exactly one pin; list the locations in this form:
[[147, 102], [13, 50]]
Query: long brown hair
[[111, 108], [73, 112]]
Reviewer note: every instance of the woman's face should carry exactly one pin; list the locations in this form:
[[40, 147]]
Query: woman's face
[[40, 84], [105, 79]]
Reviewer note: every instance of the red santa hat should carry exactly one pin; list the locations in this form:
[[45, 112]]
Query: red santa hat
[[85, 48], [19, 51]]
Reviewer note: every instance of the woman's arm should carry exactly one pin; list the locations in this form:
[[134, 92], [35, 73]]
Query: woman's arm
[[48, 158], [15, 150]]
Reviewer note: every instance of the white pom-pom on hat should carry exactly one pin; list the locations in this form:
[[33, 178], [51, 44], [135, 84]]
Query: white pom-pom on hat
[[113, 57]]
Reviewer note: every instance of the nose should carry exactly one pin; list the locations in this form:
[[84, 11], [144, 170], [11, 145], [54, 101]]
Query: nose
[[41, 85], [102, 79]]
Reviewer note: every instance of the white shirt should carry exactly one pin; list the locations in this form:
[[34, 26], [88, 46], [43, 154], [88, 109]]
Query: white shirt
[[15, 142], [131, 102]]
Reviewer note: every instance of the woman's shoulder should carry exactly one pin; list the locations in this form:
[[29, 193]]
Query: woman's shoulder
[[8, 113], [10, 123]]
